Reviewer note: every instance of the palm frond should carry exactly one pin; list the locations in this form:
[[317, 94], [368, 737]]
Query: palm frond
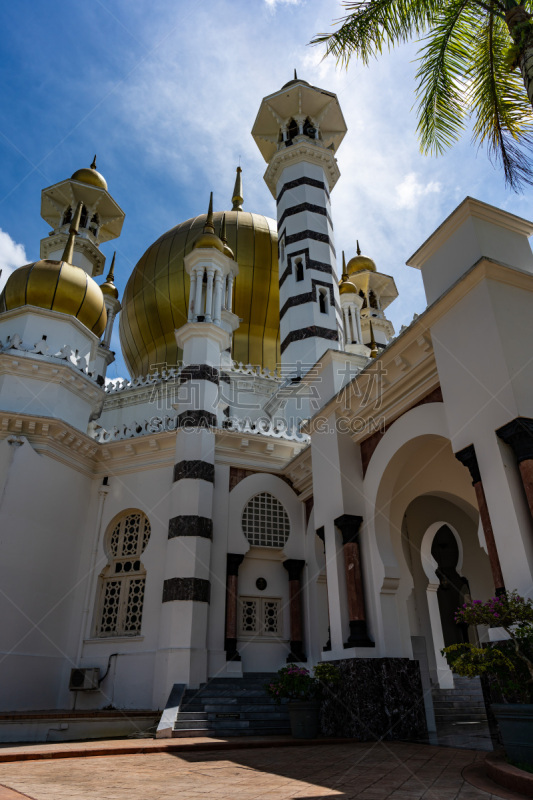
[[444, 60], [371, 25], [503, 118]]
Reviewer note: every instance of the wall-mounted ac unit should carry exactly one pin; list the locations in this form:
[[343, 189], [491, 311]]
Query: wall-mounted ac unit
[[84, 680]]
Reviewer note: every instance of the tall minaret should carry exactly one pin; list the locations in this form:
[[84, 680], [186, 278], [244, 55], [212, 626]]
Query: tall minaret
[[298, 130], [101, 218]]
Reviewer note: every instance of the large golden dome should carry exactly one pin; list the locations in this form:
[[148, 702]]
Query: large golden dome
[[57, 286], [156, 298]]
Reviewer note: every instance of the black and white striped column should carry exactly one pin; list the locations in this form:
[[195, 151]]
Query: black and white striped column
[[310, 314]]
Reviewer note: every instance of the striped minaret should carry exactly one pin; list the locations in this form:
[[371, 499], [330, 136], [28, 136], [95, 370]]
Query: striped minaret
[[203, 339], [298, 130]]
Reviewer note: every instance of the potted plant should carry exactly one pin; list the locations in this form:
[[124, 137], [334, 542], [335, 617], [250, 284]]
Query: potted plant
[[303, 692], [507, 664]]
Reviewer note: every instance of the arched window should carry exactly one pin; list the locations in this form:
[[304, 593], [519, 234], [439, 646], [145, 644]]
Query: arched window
[[265, 522], [309, 128], [121, 585], [323, 301], [299, 270], [84, 217], [292, 130], [67, 216], [95, 222], [362, 294]]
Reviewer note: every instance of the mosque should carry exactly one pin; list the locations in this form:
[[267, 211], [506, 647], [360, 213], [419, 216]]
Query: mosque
[[282, 478]]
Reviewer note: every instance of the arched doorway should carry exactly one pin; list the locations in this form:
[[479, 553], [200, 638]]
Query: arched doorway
[[453, 588]]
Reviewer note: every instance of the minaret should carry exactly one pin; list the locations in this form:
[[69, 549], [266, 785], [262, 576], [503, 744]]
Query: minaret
[[298, 130], [104, 355], [101, 218], [203, 339], [374, 292]]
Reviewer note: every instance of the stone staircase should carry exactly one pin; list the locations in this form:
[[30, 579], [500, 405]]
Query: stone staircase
[[460, 714], [231, 707]]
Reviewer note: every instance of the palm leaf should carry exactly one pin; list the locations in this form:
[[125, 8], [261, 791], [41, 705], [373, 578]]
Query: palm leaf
[[444, 61], [372, 24], [503, 118]]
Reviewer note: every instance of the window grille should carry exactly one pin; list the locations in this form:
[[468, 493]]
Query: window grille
[[260, 616], [265, 522], [122, 583]]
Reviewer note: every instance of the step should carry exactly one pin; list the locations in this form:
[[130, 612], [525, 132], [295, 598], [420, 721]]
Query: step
[[245, 708], [216, 700], [191, 733], [228, 732], [189, 724], [246, 722], [184, 715]]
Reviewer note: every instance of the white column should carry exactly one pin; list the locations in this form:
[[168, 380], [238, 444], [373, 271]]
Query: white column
[[347, 333], [198, 299], [357, 319], [209, 294], [192, 292], [109, 327], [229, 303], [218, 298]]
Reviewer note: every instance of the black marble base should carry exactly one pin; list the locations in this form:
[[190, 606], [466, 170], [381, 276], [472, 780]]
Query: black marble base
[[377, 698]]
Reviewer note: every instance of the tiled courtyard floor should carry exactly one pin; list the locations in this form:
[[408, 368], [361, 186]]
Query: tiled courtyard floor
[[388, 771]]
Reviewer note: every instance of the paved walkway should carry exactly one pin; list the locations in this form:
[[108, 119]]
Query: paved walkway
[[388, 771]]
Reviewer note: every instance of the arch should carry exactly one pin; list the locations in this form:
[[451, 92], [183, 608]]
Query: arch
[[265, 522], [299, 270], [121, 584], [323, 301]]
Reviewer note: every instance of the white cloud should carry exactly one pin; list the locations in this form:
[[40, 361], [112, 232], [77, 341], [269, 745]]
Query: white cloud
[[273, 3], [410, 191], [12, 255]]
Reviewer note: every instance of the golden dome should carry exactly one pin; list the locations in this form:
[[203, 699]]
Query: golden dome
[[361, 264], [207, 239], [109, 288], [90, 175], [345, 287], [57, 286], [156, 297]]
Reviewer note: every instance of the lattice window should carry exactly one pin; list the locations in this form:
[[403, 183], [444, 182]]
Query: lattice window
[[260, 616], [121, 595], [265, 522]]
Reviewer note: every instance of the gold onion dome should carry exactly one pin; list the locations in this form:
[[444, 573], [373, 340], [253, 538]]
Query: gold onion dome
[[156, 298], [58, 286], [109, 287], [90, 175], [360, 263], [208, 237]]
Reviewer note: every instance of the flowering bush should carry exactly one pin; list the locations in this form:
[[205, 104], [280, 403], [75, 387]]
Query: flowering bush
[[297, 683], [507, 663]]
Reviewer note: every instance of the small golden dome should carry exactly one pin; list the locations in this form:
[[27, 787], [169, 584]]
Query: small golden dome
[[57, 286], [345, 287], [109, 289], [208, 237], [361, 264], [91, 176]]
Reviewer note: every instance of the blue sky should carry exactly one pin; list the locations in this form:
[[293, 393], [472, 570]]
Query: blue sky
[[166, 92]]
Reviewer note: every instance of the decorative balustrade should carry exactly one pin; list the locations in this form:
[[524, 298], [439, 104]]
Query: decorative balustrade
[[42, 348]]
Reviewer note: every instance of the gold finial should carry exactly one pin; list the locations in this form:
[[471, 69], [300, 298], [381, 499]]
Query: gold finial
[[344, 270], [358, 248], [93, 165], [209, 221], [111, 277], [68, 252], [237, 198], [373, 346], [223, 236]]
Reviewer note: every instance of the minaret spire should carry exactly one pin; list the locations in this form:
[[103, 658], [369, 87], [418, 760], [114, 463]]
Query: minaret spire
[[93, 165], [237, 198], [344, 271], [295, 75], [68, 252], [358, 248], [209, 224], [111, 277]]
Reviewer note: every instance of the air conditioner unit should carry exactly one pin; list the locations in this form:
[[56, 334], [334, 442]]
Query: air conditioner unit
[[84, 680]]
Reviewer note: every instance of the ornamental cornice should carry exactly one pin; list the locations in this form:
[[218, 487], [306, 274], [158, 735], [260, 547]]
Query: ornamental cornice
[[51, 369], [297, 153]]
